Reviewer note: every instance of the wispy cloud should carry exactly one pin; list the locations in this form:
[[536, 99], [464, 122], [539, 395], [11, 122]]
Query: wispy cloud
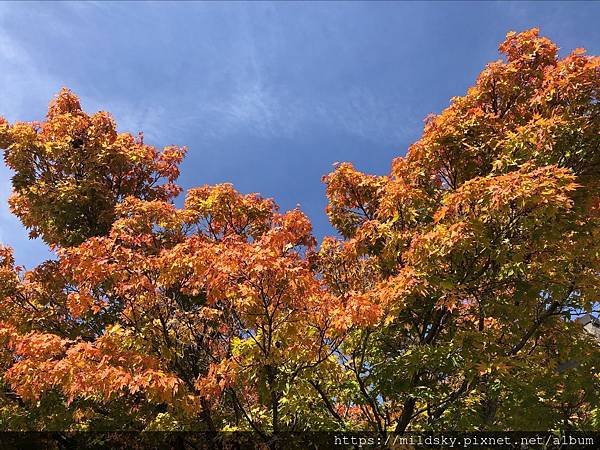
[[21, 78], [266, 112], [244, 85]]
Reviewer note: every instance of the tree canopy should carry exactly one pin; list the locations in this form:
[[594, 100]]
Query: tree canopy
[[445, 303]]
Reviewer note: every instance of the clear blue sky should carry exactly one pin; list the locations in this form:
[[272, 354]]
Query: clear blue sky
[[265, 95]]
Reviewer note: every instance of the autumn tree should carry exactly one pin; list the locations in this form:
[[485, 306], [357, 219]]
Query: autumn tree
[[446, 303], [207, 318], [71, 172], [479, 248]]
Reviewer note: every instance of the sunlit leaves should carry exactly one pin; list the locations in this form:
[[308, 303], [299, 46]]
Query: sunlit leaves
[[72, 170], [477, 247]]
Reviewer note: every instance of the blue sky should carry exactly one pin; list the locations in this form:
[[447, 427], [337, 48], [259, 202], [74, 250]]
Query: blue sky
[[265, 95]]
